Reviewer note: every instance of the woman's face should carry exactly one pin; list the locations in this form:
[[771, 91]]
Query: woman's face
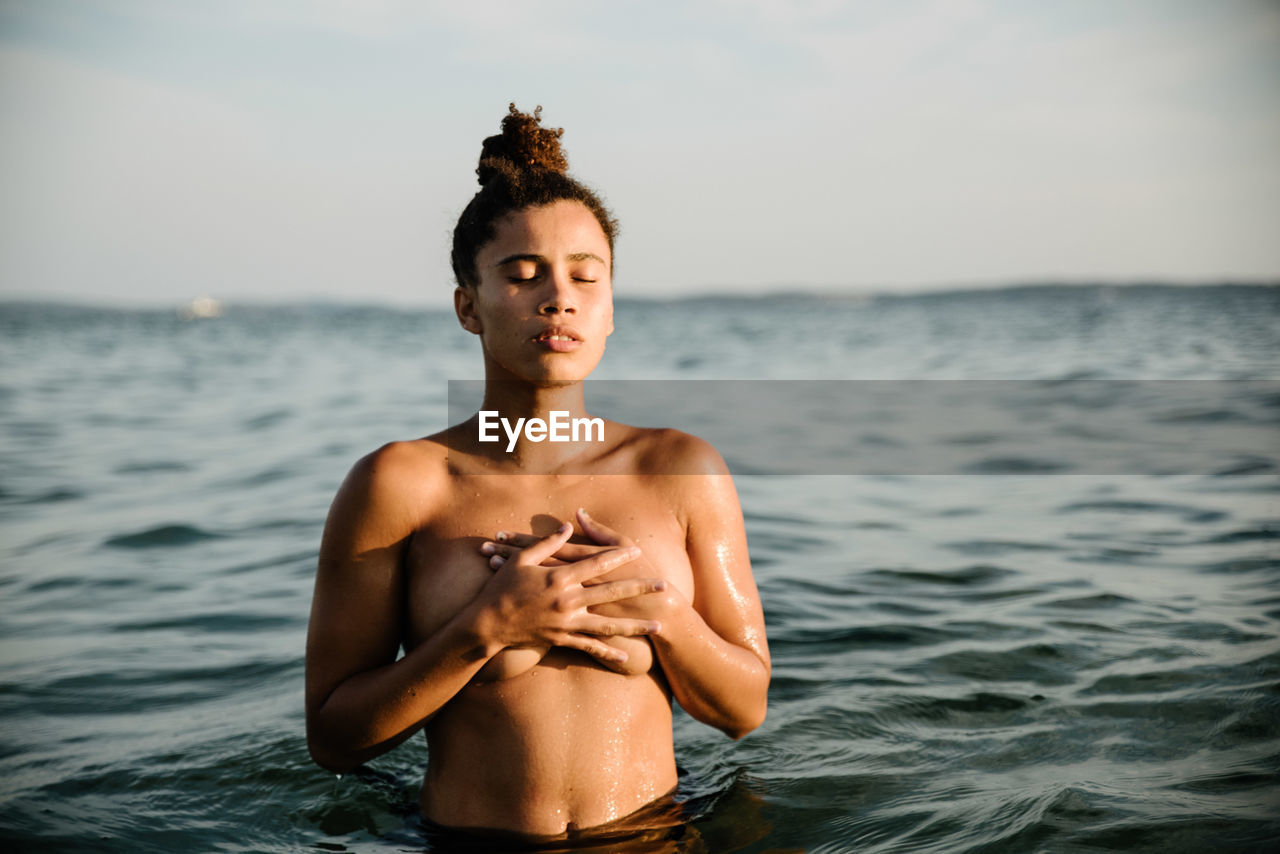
[[544, 305]]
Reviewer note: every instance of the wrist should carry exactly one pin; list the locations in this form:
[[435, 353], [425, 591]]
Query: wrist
[[478, 625], [674, 616]]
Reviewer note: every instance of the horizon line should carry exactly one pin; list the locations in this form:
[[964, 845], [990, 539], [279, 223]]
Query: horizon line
[[763, 293]]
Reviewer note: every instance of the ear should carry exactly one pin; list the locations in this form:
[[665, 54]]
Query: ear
[[464, 305]]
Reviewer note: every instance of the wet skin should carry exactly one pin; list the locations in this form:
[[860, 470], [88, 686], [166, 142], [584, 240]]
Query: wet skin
[[542, 670]]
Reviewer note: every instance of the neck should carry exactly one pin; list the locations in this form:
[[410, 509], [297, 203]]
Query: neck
[[515, 399], [538, 428]]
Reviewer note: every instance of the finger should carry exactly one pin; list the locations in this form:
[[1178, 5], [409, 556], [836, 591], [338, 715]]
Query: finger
[[613, 591], [593, 647], [512, 543], [520, 541], [497, 561], [608, 628], [547, 546], [602, 534], [489, 548], [600, 564], [567, 553], [579, 551]]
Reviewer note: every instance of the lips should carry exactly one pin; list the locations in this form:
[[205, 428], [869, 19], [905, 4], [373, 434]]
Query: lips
[[558, 339]]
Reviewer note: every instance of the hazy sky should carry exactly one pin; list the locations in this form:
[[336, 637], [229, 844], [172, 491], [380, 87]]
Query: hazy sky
[[157, 150]]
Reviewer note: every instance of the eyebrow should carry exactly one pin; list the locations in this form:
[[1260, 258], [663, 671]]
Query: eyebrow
[[540, 259]]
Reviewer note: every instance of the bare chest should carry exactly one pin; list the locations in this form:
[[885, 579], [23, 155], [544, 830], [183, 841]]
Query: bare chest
[[444, 567]]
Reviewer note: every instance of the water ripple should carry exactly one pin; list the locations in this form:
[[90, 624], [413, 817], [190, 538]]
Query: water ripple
[[1007, 661], [161, 536]]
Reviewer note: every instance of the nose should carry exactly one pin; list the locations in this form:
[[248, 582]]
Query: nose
[[559, 296]]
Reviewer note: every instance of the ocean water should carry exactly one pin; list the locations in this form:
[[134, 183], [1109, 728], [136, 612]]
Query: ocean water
[[1010, 660]]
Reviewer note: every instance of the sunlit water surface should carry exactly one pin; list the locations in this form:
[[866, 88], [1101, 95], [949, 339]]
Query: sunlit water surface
[[961, 663]]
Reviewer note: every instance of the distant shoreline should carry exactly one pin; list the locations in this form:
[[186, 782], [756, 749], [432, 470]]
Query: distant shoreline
[[799, 293]]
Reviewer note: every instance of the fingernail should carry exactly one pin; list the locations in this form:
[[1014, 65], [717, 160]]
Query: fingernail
[[501, 536], [633, 551], [487, 548], [496, 561], [654, 628], [565, 528], [582, 510], [660, 585]]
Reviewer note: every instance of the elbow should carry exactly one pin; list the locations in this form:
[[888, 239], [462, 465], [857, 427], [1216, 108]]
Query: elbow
[[745, 723], [331, 760], [328, 752], [750, 710]]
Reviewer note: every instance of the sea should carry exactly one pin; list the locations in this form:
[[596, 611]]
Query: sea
[[976, 647]]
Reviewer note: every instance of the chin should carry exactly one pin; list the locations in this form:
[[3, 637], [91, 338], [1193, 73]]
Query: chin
[[546, 376], [541, 371], [561, 371]]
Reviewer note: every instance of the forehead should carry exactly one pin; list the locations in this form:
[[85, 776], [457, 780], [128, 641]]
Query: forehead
[[553, 231]]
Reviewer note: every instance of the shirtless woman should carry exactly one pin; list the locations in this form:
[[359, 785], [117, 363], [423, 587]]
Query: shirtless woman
[[543, 642]]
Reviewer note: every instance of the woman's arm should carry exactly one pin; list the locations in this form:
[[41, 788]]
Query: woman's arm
[[713, 650], [360, 700]]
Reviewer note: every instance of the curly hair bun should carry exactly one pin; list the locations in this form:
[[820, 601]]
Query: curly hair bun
[[523, 145], [522, 167]]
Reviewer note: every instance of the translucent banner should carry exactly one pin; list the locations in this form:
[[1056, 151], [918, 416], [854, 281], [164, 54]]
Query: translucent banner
[[1157, 427]]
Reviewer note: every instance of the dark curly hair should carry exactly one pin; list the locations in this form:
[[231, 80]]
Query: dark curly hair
[[522, 167]]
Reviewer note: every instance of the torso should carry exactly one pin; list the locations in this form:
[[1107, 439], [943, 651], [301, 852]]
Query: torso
[[543, 740]]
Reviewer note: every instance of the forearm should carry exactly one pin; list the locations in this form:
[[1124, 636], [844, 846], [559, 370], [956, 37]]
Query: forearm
[[371, 712], [717, 682]]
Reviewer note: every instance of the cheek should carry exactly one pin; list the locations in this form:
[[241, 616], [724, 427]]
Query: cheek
[[606, 313], [499, 320]]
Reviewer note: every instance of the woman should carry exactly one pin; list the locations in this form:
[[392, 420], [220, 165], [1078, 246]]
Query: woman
[[548, 616]]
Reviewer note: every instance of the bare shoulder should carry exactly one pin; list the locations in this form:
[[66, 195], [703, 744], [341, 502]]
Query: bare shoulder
[[667, 451], [691, 473], [401, 465], [386, 495]]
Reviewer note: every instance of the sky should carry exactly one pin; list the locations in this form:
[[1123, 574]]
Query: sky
[[153, 151]]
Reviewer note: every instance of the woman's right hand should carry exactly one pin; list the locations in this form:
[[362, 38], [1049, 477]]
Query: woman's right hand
[[529, 604]]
